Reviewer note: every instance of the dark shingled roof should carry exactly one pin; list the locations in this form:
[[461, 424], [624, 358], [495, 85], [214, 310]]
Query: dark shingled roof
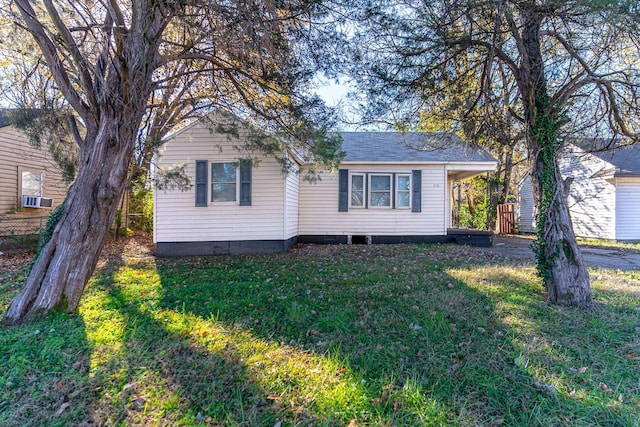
[[399, 147], [625, 159]]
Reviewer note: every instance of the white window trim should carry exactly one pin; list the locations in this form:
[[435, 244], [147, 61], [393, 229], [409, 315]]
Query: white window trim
[[21, 170], [364, 190], [398, 176], [370, 204], [210, 172]]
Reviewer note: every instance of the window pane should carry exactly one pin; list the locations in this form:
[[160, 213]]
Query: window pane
[[380, 199], [32, 184], [357, 198], [357, 182], [403, 183], [223, 172], [380, 183], [223, 192], [403, 199]]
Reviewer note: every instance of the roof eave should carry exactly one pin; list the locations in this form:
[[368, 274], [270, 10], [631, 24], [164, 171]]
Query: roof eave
[[626, 175], [422, 162]]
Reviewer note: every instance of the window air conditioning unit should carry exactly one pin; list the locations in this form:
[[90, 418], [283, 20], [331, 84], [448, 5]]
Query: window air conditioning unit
[[36, 202], [45, 202]]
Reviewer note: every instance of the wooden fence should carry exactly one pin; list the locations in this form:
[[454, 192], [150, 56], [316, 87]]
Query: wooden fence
[[506, 218]]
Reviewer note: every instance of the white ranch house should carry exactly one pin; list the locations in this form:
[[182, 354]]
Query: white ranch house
[[604, 197], [390, 187]]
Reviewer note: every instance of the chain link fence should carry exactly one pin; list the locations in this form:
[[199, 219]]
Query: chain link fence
[[22, 232], [19, 232], [21, 225]]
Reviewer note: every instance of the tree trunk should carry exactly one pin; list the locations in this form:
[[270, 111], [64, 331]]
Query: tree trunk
[[559, 257], [493, 186], [67, 261]]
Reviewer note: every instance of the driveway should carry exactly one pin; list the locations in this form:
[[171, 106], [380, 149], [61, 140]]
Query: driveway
[[597, 257]]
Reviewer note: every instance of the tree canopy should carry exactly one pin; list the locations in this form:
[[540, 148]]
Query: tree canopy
[[573, 67], [132, 70]]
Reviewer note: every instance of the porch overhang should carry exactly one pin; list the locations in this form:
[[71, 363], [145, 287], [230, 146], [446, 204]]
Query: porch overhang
[[459, 171]]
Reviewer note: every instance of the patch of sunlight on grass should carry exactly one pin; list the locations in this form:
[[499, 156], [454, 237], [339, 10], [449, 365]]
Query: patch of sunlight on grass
[[608, 243], [497, 278], [290, 377], [105, 327], [514, 292], [426, 409], [619, 288], [138, 284]]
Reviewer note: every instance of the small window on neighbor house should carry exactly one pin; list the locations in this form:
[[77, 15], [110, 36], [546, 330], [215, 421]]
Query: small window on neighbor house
[[403, 191], [223, 182], [380, 191], [32, 183], [357, 191]]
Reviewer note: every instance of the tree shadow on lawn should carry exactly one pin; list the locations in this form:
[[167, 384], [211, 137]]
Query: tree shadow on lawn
[[416, 344], [43, 364], [386, 335], [584, 358], [122, 362], [153, 364]]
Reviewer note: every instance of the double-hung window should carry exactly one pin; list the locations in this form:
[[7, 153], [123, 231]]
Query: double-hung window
[[403, 191], [380, 190], [229, 182], [357, 191], [224, 186], [32, 183]]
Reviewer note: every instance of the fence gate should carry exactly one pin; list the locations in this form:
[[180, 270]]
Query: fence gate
[[506, 218]]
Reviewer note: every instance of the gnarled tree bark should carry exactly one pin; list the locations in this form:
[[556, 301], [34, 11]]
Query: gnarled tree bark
[[107, 59], [67, 261], [114, 97], [559, 261]]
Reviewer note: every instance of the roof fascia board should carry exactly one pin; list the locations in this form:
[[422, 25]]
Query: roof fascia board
[[430, 162]]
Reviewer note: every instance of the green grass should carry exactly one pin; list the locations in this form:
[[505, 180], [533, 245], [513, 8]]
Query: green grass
[[632, 246], [328, 335]]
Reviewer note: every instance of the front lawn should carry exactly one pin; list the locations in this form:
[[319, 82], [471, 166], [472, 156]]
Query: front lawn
[[324, 335]]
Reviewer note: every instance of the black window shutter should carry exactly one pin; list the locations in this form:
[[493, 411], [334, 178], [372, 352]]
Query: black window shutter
[[393, 191], [343, 190], [365, 188], [201, 182], [416, 199], [245, 182]]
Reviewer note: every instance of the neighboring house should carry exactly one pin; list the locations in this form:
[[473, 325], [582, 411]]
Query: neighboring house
[[604, 196], [390, 187], [31, 184]]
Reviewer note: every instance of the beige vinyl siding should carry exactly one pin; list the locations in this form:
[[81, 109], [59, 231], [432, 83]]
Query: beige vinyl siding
[[627, 208], [177, 219], [292, 186], [319, 214], [17, 155], [592, 199]]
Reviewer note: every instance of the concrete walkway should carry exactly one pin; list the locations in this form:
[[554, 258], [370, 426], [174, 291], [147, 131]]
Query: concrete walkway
[[597, 257]]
